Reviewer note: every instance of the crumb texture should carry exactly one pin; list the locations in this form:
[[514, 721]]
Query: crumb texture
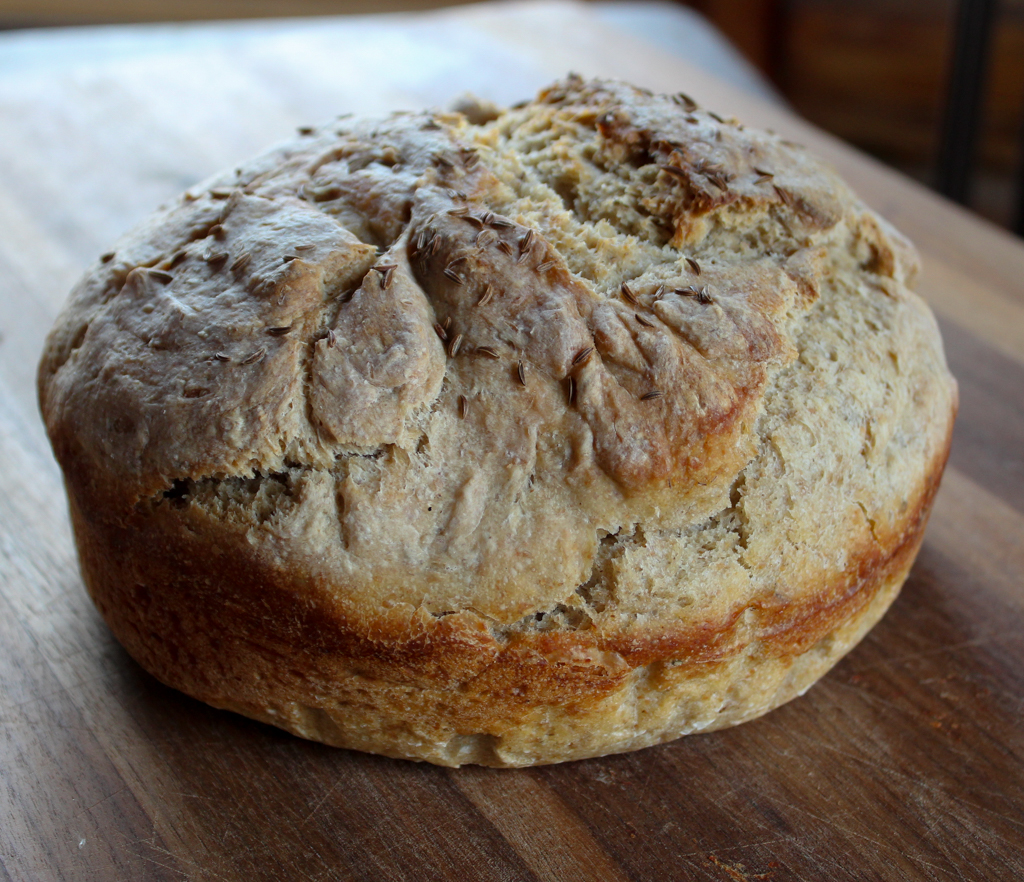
[[516, 419]]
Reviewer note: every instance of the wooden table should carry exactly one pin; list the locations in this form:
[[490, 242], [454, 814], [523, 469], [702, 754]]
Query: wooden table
[[905, 762]]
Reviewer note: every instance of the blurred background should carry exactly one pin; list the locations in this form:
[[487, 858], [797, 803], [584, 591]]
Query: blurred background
[[884, 75]]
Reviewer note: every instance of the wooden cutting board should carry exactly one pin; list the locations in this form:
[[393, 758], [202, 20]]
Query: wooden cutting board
[[905, 762]]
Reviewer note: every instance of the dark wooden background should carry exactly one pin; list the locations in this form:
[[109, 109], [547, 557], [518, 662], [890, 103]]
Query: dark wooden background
[[905, 762]]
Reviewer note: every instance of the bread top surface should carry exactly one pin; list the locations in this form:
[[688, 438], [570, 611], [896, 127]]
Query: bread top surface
[[602, 361]]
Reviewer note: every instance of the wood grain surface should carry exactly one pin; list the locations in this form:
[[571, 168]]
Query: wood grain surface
[[905, 762]]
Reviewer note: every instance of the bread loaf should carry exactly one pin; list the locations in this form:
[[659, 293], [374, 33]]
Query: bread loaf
[[502, 437]]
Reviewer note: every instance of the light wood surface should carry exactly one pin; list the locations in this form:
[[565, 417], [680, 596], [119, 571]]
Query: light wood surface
[[905, 762]]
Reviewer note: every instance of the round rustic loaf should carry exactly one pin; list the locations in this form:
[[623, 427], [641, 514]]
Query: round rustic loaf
[[502, 437]]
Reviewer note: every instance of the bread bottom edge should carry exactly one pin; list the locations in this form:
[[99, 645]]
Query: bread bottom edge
[[653, 707]]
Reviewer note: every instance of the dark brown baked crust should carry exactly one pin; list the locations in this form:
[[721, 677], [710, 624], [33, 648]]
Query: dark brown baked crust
[[680, 419]]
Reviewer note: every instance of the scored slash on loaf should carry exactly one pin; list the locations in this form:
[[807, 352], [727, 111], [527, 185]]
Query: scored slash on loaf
[[502, 437]]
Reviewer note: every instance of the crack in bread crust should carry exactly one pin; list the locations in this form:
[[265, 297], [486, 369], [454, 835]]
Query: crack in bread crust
[[502, 420]]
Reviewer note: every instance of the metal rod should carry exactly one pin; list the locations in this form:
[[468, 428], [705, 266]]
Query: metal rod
[[964, 97]]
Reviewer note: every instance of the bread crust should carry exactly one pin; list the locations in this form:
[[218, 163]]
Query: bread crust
[[442, 689], [679, 415]]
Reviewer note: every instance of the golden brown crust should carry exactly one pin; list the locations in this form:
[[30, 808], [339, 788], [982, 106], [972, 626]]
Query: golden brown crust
[[451, 674], [561, 432]]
